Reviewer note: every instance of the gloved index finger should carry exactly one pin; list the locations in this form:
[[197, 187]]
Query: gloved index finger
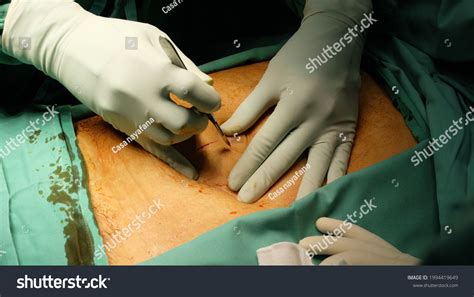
[[189, 87]]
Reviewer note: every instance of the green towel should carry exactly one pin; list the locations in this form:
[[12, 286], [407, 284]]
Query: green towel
[[45, 213]]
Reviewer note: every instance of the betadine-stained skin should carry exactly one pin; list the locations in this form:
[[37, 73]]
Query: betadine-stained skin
[[192, 207], [195, 207]]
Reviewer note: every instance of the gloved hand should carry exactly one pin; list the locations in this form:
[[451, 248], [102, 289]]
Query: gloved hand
[[315, 108], [115, 67], [353, 246]]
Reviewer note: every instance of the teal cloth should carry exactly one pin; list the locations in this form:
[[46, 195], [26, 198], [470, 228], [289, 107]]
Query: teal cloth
[[434, 100], [416, 206], [3, 14], [435, 88], [5, 59], [246, 57], [45, 214]]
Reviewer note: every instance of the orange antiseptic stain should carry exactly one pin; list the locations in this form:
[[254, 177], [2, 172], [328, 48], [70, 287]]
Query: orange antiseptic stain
[[233, 212]]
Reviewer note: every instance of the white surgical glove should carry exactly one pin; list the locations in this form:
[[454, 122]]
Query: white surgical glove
[[115, 67], [353, 246], [316, 110]]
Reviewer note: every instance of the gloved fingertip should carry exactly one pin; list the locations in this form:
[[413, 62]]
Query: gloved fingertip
[[324, 224], [333, 176], [307, 242], [251, 191], [213, 103], [229, 129], [245, 199], [246, 196], [216, 106], [300, 195], [233, 186], [304, 243], [304, 191], [226, 130], [233, 181], [320, 221], [225, 127], [195, 176], [189, 172]]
